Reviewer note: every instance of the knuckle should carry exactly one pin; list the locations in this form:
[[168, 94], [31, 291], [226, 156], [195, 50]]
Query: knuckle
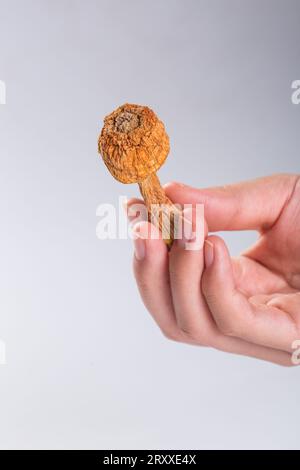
[[189, 334], [194, 336], [210, 296], [170, 335], [227, 327]]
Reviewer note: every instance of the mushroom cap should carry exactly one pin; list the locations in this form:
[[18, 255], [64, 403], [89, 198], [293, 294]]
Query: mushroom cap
[[133, 143]]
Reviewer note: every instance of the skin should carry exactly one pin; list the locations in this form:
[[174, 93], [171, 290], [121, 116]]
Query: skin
[[248, 305]]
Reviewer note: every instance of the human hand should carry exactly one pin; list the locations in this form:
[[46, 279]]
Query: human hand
[[248, 305]]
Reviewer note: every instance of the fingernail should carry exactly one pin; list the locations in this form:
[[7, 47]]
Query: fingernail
[[186, 238], [125, 205], [187, 228], [139, 248], [128, 211], [208, 253]]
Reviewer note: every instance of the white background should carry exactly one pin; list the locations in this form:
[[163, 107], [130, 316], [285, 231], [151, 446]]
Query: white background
[[86, 366]]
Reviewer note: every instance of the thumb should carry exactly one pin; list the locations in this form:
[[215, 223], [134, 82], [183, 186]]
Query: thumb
[[234, 314], [250, 205]]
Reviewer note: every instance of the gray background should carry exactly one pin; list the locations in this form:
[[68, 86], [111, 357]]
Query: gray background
[[86, 366]]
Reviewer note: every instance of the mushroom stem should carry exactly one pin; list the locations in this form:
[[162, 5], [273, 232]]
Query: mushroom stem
[[161, 210]]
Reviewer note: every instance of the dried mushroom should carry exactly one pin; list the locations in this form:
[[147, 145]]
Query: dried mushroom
[[134, 144]]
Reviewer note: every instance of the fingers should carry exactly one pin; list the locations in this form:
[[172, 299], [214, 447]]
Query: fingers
[[253, 278], [233, 313], [186, 268], [192, 314], [251, 205], [192, 322], [151, 271]]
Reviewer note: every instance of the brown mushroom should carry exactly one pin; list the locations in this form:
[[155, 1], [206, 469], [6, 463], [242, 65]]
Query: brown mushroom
[[134, 144]]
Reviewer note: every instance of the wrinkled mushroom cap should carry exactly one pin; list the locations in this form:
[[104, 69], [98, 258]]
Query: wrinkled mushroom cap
[[133, 143]]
